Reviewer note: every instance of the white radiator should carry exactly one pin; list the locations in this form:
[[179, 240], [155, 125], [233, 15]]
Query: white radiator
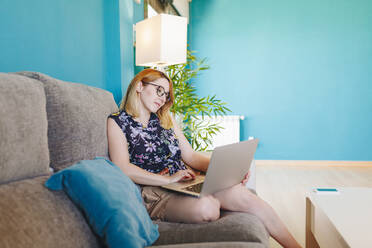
[[230, 132]]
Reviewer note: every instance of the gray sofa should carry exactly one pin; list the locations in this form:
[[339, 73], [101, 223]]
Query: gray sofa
[[47, 123]]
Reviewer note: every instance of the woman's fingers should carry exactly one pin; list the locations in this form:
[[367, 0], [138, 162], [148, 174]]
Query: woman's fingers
[[191, 173], [180, 175], [246, 178], [247, 175], [184, 175], [188, 175]]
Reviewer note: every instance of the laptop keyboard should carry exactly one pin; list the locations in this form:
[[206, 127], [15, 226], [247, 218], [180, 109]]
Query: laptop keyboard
[[194, 188]]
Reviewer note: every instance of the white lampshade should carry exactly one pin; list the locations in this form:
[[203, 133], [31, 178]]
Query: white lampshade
[[161, 41]]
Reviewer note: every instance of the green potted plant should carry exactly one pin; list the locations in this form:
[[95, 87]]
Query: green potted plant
[[189, 108]]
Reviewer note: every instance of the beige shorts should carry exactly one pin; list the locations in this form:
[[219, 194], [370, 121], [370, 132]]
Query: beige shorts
[[155, 200]]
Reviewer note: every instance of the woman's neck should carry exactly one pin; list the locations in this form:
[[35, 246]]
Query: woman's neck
[[144, 117]]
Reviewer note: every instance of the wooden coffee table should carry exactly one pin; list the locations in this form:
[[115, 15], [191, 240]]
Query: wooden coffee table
[[339, 220]]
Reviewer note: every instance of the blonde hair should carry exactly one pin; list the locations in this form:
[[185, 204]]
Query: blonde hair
[[130, 103]]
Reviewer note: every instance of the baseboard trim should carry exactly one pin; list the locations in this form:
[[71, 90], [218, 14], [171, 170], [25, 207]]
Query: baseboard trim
[[313, 163]]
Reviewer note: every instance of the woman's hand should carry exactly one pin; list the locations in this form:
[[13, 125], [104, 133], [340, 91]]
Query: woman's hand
[[182, 175], [246, 178]]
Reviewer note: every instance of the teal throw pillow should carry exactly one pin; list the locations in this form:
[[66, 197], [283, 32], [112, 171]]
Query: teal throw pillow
[[109, 199]]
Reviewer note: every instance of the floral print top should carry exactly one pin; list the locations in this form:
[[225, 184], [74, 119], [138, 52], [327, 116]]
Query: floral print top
[[152, 148]]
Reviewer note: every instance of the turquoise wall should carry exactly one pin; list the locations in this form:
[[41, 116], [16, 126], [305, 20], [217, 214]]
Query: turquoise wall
[[299, 71], [86, 41]]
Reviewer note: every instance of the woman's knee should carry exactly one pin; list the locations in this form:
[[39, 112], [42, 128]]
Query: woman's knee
[[207, 209], [250, 200], [239, 199]]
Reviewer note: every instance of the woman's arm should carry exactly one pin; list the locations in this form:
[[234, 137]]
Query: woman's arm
[[118, 150], [192, 158]]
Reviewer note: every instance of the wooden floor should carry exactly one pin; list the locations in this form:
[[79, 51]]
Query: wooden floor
[[284, 187]]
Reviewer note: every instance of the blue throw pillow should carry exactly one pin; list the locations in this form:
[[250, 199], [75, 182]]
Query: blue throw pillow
[[110, 201]]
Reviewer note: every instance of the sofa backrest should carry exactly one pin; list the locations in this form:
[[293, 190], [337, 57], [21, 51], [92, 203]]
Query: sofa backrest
[[23, 128], [77, 116]]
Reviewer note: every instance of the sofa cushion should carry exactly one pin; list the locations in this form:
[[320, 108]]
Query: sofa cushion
[[110, 200], [23, 128], [77, 116], [231, 226], [33, 216]]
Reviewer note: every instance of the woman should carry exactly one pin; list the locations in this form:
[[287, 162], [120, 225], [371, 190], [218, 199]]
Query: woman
[[146, 143]]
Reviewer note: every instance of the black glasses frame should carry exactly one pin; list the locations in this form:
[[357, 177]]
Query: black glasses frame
[[160, 91]]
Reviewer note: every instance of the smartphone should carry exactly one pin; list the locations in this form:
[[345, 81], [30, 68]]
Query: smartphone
[[326, 191]]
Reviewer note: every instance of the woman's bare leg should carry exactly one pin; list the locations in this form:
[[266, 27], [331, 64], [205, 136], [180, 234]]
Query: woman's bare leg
[[187, 209], [239, 198]]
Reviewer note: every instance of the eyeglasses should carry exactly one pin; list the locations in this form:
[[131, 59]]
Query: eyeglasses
[[160, 91]]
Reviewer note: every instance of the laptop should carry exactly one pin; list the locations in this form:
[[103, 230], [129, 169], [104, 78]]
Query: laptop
[[227, 167]]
